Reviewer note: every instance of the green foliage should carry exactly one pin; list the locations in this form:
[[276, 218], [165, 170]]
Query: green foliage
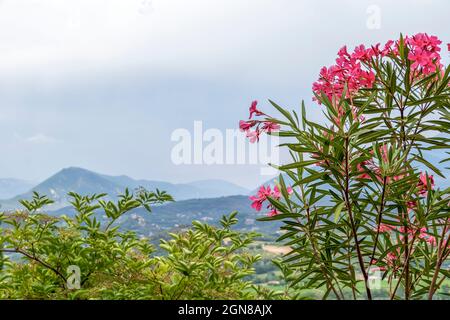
[[39, 253], [353, 179]]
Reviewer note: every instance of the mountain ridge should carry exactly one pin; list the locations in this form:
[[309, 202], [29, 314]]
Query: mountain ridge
[[85, 182]]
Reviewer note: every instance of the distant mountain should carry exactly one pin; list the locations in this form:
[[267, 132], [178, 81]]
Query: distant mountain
[[197, 189], [12, 187], [70, 179], [182, 191], [85, 182]]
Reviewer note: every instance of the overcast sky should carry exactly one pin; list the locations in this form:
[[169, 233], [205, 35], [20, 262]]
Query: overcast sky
[[102, 84]]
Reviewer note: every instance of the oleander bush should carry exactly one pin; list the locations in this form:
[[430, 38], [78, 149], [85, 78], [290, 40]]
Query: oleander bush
[[360, 205]]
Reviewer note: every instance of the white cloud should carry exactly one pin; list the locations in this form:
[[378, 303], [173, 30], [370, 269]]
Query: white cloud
[[246, 40], [41, 138]]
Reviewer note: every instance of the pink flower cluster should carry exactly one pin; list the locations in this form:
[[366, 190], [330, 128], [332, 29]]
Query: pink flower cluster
[[428, 238], [384, 228], [424, 53], [347, 72], [422, 185], [392, 257], [260, 125], [263, 194], [355, 70], [411, 231]]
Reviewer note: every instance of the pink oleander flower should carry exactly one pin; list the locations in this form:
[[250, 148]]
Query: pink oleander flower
[[391, 47], [384, 153], [277, 193], [431, 240], [362, 169], [347, 71], [246, 125], [422, 185], [374, 263], [260, 197], [365, 55], [273, 212], [289, 190], [382, 269], [385, 228], [424, 53], [423, 233], [254, 111], [369, 165], [425, 236], [253, 135], [359, 53], [260, 125], [411, 205], [423, 61], [391, 257], [269, 126], [263, 194]]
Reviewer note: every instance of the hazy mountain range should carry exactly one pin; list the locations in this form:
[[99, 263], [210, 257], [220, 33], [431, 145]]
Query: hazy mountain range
[[205, 200], [86, 182]]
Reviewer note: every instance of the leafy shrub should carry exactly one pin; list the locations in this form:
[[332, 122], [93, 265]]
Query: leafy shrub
[[41, 251], [363, 200]]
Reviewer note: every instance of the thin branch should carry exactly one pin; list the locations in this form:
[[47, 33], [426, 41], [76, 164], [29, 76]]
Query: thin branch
[[352, 222], [379, 218], [34, 258]]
